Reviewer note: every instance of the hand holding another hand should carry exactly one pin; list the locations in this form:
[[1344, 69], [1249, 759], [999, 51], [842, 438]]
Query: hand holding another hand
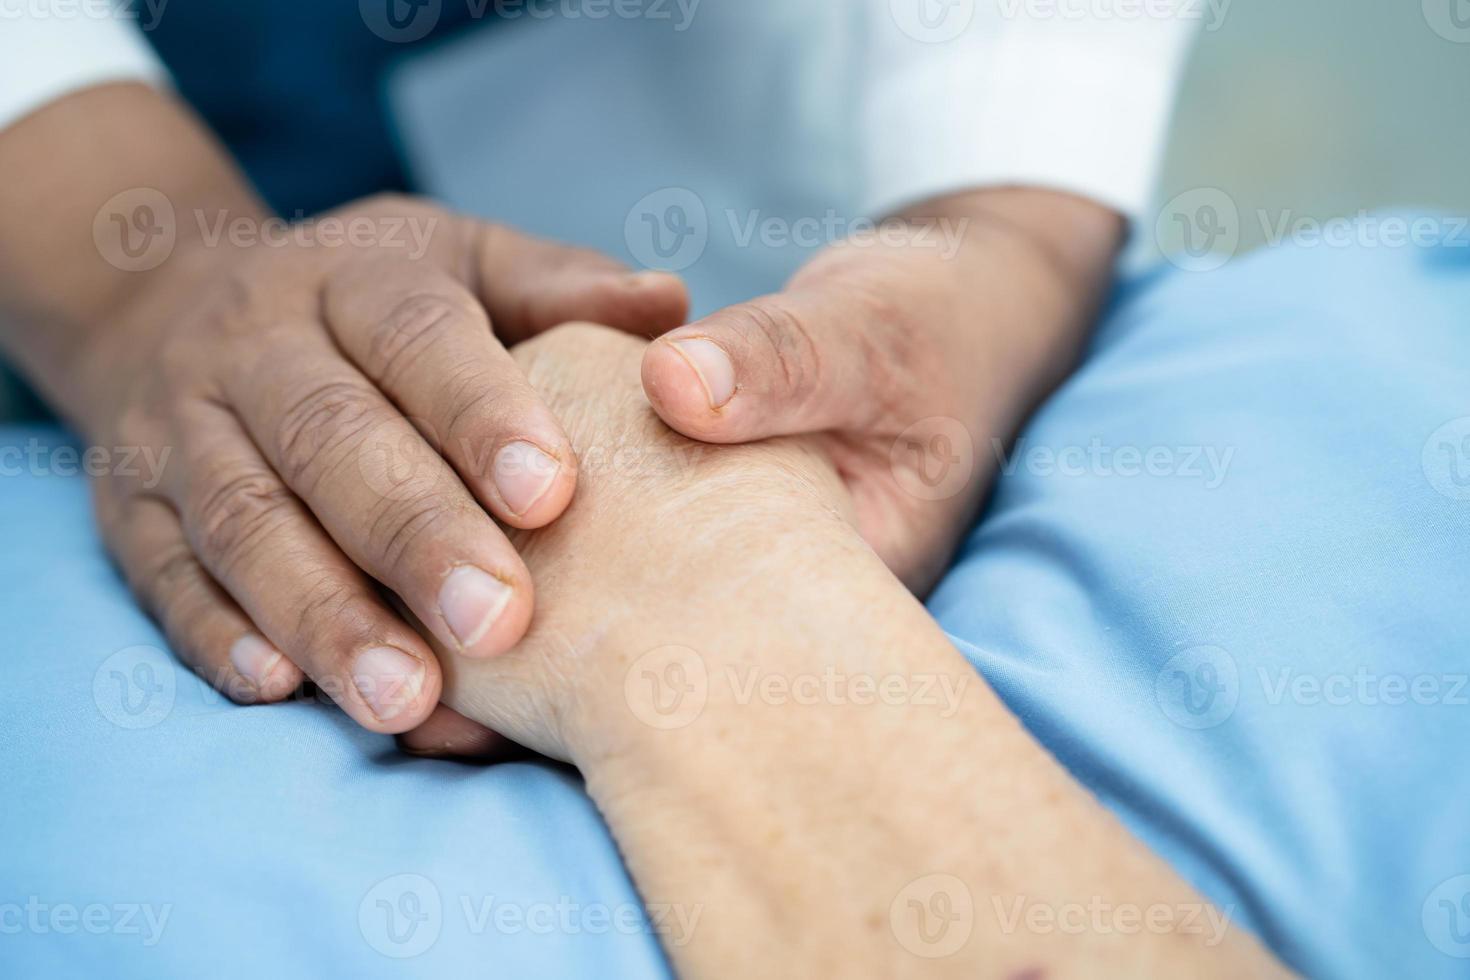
[[335, 416], [905, 353]]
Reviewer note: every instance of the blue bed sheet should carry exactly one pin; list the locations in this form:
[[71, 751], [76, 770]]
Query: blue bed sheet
[[1223, 577]]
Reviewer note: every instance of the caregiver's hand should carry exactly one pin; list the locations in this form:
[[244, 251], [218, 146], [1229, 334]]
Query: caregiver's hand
[[803, 774], [899, 353], [321, 408]]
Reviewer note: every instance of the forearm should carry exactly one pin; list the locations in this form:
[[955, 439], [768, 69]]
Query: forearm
[[848, 773], [62, 164]]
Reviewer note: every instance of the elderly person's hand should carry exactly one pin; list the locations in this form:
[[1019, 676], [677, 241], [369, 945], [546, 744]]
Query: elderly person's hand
[[663, 529], [907, 352], [805, 777]]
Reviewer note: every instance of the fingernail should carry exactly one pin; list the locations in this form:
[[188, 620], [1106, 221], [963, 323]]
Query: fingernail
[[523, 473], [388, 679], [470, 600], [712, 365], [254, 659]]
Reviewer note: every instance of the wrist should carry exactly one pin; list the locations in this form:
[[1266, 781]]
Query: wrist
[[1077, 239], [671, 673]]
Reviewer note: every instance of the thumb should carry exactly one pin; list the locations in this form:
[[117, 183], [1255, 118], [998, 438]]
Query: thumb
[[783, 364]]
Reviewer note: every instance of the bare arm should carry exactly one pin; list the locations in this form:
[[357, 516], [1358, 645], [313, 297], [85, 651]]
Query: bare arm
[[805, 777]]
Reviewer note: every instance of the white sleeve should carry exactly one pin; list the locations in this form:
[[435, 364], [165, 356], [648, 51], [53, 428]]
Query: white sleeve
[[1069, 94], [51, 47]]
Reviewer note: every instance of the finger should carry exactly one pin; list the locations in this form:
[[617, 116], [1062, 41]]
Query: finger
[[529, 285], [262, 546], [205, 628], [383, 495], [425, 341], [783, 364], [449, 733]]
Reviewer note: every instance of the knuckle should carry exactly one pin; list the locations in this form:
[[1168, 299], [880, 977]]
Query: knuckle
[[317, 424], [330, 620], [413, 327], [476, 408], [236, 512], [786, 340], [402, 526], [174, 592], [170, 576]]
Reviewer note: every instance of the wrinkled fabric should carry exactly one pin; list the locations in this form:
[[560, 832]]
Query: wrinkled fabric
[[1222, 577]]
